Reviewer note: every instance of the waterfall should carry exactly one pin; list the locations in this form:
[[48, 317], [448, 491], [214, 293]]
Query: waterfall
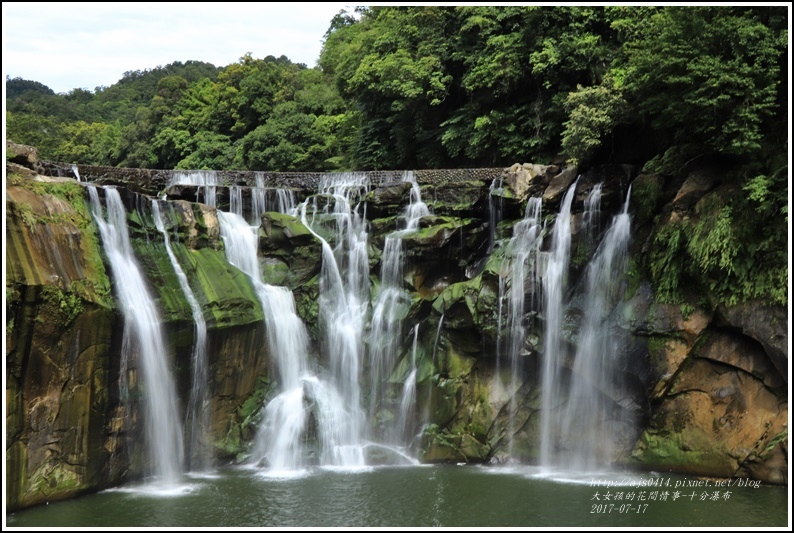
[[523, 250], [285, 201], [284, 424], [391, 304], [143, 339], [408, 395], [76, 172], [438, 336], [343, 303], [592, 213], [258, 199], [554, 284], [206, 180], [198, 419], [236, 201], [494, 210], [587, 431]]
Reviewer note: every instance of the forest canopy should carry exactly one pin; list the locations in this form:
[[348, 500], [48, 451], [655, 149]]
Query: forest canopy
[[481, 86], [442, 86]]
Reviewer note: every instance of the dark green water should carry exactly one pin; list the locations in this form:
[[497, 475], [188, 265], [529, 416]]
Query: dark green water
[[419, 496]]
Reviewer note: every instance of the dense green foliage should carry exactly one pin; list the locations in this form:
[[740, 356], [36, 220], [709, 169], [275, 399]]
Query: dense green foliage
[[469, 86], [434, 86]]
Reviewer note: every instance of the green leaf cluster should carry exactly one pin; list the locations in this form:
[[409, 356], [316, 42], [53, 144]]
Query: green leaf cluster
[[445, 86], [725, 249]]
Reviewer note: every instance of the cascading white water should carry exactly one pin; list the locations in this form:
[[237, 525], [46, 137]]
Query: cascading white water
[[198, 420], [236, 200], [343, 303], [523, 250], [207, 180], [554, 285], [408, 400], [592, 213], [260, 203], [284, 425], [389, 308], [143, 340], [258, 199], [285, 201], [587, 423], [438, 337], [76, 172], [391, 305], [494, 210]]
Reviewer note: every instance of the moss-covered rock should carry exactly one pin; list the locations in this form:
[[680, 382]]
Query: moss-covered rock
[[242, 422], [457, 199], [711, 378], [291, 254], [61, 327], [717, 413], [387, 199]]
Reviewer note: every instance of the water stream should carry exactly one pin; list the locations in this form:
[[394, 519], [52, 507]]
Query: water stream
[[279, 439], [198, 410], [554, 288], [144, 345], [344, 300], [390, 307]]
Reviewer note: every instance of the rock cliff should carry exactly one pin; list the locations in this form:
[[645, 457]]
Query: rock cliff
[[705, 385]]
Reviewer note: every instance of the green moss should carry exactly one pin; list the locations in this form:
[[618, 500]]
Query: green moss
[[226, 295], [250, 412], [307, 297], [292, 226], [25, 213], [275, 272], [646, 192], [71, 193], [720, 253], [668, 262], [657, 346], [95, 289], [435, 234], [94, 286], [683, 450], [59, 307], [687, 310], [456, 293], [53, 482], [381, 226], [244, 420], [634, 278], [779, 439], [582, 253], [163, 280]]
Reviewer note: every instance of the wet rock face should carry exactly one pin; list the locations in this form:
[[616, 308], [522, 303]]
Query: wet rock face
[[61, 332], [765, 324], [718, 404], [722, 414], [707, 386]]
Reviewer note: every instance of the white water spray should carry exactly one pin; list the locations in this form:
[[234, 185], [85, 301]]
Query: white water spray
[[206, 180], [523, 251], [279, 438], [408, 400], [198, 420], [344, 290], [391, 304], [143, 340], [592, 421], [554, 285]]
